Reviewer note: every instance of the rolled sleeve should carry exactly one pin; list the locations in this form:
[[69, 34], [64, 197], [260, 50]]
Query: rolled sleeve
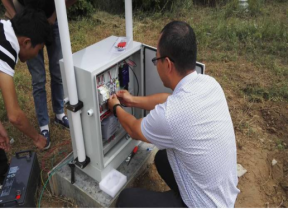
[[155, 128]]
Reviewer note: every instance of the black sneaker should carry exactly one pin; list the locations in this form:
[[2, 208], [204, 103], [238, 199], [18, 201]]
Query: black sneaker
[[46, 134], [64, 122]]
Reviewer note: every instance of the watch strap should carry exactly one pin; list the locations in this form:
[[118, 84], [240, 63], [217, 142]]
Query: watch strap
[[114, 109]]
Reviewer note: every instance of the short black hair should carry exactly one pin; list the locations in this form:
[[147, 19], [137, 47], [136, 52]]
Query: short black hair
[[178, 42], [33, 24]]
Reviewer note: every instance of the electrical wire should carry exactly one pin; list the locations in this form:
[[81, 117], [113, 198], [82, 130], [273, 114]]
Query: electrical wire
[[110, 76], [45, 168], [50, 152], [130, 63], [136, 80], [138, 87], [50, 175], [43, 183]]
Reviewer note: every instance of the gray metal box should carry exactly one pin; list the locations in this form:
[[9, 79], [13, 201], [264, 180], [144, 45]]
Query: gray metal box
[[90, 63]]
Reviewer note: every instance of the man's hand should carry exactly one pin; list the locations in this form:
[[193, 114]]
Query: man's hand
[[113, 101], [10, 8], [40, 142], [52, 18], [4, 140], [131, 125], [16, 116], [125, 98]]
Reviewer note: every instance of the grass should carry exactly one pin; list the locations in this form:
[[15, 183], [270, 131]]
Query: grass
[[279, 144], [261, 39]]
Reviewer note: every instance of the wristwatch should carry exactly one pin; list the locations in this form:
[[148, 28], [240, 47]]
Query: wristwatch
[[114, 109]]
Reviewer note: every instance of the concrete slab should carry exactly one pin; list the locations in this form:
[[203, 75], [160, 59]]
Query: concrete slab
[[86, 192]]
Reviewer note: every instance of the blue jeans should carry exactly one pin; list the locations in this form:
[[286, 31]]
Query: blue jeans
[[37, 70]]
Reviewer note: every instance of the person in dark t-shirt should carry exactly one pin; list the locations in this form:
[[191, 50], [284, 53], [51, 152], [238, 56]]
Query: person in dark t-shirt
[[47, 6], [37, 68]]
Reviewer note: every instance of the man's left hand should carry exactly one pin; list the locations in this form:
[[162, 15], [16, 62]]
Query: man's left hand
[[113, 101], [52, 19]]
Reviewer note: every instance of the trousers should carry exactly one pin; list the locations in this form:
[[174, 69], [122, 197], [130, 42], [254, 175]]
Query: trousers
[[143, 198], [36, 67]]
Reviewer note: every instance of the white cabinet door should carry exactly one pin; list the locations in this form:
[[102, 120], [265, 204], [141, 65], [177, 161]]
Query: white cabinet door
[[152, 81]]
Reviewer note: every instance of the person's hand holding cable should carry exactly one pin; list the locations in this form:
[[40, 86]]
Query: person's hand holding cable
[[4, 140], [125, 98], [40, 142], [113, 100]]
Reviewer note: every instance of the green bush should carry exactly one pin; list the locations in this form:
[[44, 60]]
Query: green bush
[[212, 3], [142, 5], [161, 5], [255, 7], [80, 9]]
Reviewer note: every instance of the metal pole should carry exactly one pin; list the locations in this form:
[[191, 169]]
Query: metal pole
[[70, 76], [129, 19]]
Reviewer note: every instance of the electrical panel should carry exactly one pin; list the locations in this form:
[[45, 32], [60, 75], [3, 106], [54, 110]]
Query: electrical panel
[[108, 83]]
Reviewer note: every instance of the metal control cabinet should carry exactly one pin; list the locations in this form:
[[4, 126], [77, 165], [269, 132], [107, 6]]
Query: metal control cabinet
[[89, 64]]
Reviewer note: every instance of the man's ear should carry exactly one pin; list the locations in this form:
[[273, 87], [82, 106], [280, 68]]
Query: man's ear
[[25, 42], [170, 65]]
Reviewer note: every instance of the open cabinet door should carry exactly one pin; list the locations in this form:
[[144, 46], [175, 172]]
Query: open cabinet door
[[200, 68], [152, 81]]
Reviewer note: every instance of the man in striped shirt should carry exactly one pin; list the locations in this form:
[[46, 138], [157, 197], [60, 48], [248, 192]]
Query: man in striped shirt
[[21, 38]]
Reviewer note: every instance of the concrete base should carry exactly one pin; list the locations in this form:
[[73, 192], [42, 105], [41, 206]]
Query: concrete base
[[86, 192]]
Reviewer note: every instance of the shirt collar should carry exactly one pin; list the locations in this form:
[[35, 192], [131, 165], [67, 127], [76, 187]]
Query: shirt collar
[[185, 80]]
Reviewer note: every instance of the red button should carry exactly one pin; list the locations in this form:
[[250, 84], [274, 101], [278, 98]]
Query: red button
[[18, 197], [122, 44]]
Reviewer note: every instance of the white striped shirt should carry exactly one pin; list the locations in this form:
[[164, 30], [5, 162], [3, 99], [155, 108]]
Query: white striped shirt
[[9, 48], [195, 127]]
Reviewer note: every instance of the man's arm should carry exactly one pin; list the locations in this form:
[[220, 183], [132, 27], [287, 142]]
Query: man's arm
[[9, 6], [15, 114], [146, 103], [131, 125]]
